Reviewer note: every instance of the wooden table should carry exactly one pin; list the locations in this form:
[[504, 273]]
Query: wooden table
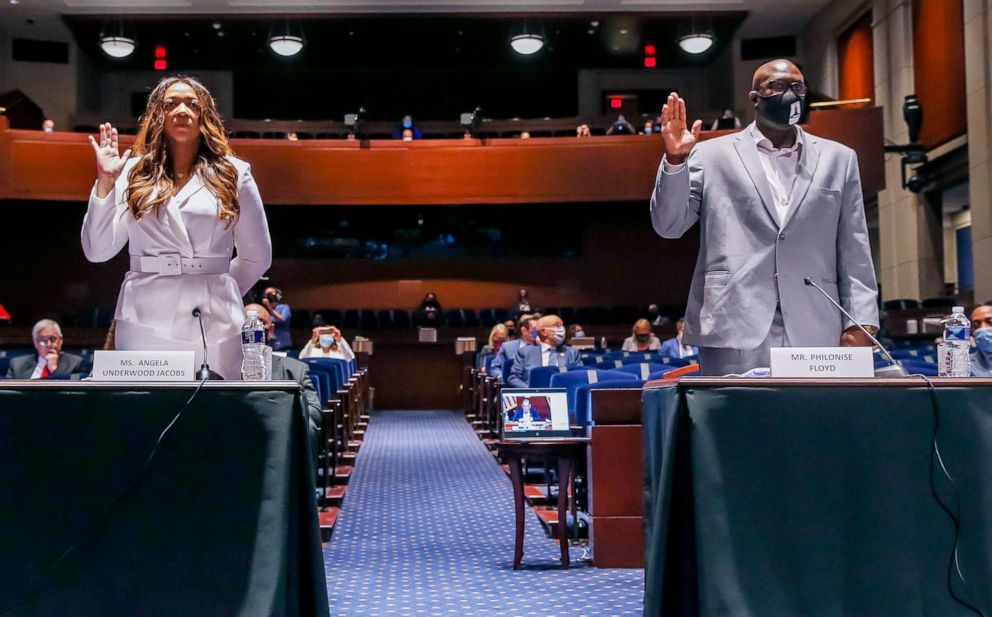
[[567, 451]]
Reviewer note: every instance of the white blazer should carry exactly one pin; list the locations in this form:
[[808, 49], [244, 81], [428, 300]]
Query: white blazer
[[154, 310]]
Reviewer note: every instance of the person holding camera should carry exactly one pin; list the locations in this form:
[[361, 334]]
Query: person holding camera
[[327, 342], [280, 313]]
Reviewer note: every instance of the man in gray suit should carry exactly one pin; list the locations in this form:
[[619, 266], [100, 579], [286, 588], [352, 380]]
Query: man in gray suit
[[775, 205], [49, 361], [549, 349]]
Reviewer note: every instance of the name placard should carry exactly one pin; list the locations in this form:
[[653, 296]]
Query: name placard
[[143, 366], [822, 362]]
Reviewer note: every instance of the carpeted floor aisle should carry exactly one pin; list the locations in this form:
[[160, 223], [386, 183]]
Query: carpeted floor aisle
[[427, 529]]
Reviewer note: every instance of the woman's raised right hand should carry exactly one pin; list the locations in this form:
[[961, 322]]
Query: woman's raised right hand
[[109, 161]]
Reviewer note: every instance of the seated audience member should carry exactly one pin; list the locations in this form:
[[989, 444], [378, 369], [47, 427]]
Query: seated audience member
[[527, 328], [288, 369], [674, 347], [48, 125], [641, 338], [574, 331], [293, 136], [582, 131], [648, 128], [655, 316], [981, 329], [525, 135], [428, 314], [549, 350], [727, 120], [49, 362], [407, 124], [511, 329], [327, 342], [522, 306], [497, 337], [280, 312], [621, 127]]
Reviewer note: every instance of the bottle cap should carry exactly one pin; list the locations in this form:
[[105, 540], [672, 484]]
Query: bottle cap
[[252, 314], [957, 309]]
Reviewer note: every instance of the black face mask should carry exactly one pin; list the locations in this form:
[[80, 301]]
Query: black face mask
[[644, 338], [783, 110]]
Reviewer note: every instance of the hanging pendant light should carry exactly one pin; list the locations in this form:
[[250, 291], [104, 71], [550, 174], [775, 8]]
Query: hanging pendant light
[[115, 43], [286, 41], [697, 38], [526, 39]]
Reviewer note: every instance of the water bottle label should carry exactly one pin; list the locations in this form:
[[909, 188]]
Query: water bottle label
[[252, 337], [957, 333]]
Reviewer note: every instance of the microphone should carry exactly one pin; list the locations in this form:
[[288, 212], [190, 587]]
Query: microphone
[[894, 370], [204, 374]]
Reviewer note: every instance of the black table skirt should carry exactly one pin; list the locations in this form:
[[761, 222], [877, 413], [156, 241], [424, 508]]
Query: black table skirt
[[780, 501], [223, 522]]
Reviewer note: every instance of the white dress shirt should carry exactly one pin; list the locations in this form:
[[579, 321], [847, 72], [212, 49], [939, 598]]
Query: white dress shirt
[[780, 165], [547, 353], [40, 367]]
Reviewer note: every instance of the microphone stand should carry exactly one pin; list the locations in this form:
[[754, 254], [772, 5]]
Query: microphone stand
[[894, 369], [204, 374]]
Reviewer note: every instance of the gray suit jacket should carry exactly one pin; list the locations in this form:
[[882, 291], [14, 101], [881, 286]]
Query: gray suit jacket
[[529, 356], [21, 367], [747, 264], [293, 370]]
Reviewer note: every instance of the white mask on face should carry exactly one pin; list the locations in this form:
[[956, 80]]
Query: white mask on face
[[558, 335]]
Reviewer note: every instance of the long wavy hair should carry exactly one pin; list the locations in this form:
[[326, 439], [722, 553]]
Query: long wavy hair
[[150, 183]]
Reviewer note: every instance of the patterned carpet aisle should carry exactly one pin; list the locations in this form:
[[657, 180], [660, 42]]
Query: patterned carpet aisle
[[427, 529]]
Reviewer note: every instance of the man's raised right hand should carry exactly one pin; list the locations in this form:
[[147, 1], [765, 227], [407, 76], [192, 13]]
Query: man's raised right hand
[[678, 137]]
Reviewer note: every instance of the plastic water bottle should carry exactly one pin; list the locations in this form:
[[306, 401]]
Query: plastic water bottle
[[253, 346], [957, 345]]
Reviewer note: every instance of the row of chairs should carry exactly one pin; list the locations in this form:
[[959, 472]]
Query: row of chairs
[[390, 319], [345, 400]]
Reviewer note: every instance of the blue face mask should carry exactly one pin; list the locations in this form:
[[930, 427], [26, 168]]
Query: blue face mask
[[326, 340], [579, 334], [983, 340], [407, 124]]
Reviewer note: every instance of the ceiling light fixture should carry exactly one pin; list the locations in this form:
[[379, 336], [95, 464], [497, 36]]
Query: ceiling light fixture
[[287, 40], [527, 44], [117, 46], [696, 38]]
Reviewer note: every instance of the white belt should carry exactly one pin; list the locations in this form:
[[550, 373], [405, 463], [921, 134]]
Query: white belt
[[174, 265]]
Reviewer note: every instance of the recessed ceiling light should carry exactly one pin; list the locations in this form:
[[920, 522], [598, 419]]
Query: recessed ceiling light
[[591, 31], [624, 31], [594, 23], [15, 1], [216, 25]]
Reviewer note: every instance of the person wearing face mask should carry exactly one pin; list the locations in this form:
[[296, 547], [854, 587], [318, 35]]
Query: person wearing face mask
[[407, 130], [641, 338], [50, 362], [497, 338], [281, 313], [522, 305], [327, 342], [48, 125], [775, 205], [981, 329], [549, 350], [527, 327], [429, 313], [574, 331]]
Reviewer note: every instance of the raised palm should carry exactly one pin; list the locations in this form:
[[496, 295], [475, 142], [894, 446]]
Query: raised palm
[[678, 137], [109, 160]]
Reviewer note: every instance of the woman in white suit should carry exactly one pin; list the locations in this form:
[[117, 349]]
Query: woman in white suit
[[182, 203]]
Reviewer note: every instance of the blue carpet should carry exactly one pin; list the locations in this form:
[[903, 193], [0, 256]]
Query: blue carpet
[[427, 529]]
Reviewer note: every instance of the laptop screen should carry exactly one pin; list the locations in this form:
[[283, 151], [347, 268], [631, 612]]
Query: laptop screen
[[534, 413]]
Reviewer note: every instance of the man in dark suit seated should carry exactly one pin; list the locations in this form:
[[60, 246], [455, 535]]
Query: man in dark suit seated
[[549, 350], [49, 362], [288, 369]]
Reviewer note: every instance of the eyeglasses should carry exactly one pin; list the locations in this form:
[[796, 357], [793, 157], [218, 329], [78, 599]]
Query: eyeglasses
[[780, 86], [48, 340]]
